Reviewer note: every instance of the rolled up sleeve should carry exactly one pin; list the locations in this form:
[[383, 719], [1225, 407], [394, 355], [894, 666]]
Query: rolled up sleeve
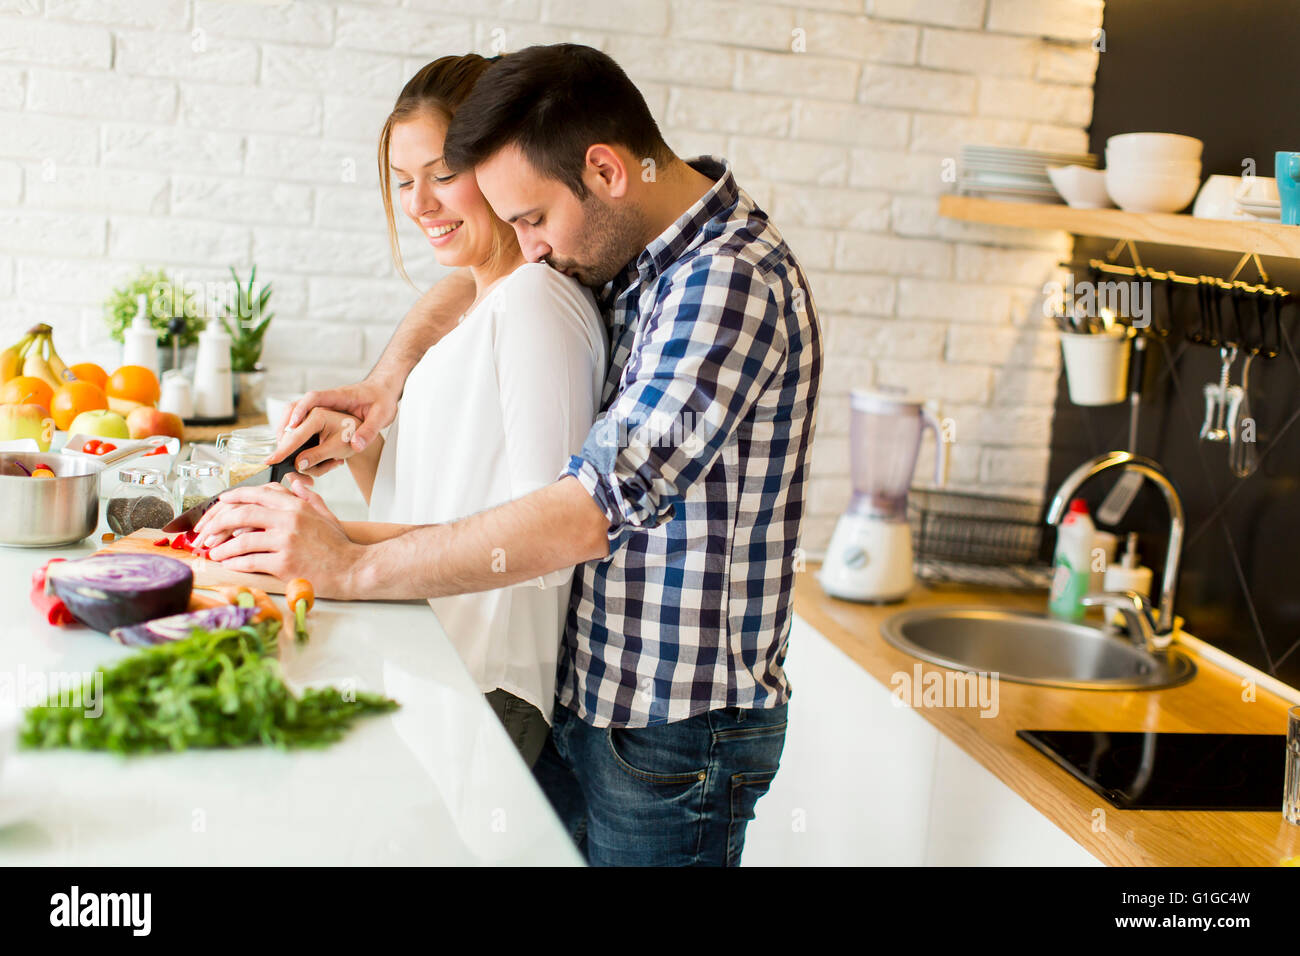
[[704, 356]]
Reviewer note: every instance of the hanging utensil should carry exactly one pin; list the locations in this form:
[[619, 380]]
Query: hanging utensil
[[1217, 398]]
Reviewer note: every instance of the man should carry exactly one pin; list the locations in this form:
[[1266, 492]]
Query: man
[[681, 511]]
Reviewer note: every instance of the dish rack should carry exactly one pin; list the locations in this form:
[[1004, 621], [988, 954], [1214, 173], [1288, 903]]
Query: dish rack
[[977, 539]]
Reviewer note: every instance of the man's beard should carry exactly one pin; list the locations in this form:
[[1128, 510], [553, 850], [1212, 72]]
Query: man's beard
[[615, 237]]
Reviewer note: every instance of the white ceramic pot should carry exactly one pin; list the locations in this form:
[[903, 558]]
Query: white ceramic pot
[[1096, 366]]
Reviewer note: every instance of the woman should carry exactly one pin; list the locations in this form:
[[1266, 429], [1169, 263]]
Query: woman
[[493, 410]]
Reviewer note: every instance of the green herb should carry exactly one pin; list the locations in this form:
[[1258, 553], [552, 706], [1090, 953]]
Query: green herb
[[249, 324], [213, 689], [166, 300]]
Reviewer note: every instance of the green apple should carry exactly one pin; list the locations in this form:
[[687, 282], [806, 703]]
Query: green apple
[[26, 421], [101, 423]]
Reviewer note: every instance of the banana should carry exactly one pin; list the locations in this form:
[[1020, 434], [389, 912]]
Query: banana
[[11, 359], [60, 370], [35, 365]]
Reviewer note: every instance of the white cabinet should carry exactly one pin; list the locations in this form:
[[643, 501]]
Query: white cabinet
[[864, 781]]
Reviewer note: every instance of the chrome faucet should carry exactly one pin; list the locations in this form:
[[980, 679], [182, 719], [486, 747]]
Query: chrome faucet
[[1137, 612]]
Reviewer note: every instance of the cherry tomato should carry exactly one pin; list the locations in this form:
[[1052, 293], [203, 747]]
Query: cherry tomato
[[105, 448], [160, 450], [92, 447]]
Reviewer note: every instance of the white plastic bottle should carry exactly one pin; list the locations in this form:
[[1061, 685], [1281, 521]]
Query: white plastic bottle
[[140, 339], [1072, 563], [1128, 575]]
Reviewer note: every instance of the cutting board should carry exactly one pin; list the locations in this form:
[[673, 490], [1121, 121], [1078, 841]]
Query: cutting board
[[207, 573]]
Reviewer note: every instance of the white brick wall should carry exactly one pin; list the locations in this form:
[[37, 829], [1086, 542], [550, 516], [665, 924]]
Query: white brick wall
[[194, 134]]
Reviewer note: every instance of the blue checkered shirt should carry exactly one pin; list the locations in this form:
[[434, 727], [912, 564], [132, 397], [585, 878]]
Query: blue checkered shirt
[[699, 460]]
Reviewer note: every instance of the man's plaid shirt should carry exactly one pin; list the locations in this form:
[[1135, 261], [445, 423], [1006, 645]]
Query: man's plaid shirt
[[700, 461]]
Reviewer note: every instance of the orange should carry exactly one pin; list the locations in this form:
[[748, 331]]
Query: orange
[[26, 390], [73, 399], [90, 372], [135, 383]]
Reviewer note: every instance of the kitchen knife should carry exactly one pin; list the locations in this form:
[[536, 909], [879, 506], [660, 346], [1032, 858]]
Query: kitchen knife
[[188, 519]]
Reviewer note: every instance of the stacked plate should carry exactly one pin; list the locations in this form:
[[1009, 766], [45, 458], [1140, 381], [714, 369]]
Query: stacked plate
[[1008, 172]]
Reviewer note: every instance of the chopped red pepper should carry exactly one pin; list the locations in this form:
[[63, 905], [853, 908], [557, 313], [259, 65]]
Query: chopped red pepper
[[185, 542], [53, 609]]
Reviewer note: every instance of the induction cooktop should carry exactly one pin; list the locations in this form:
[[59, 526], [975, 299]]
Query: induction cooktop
[[1165, 771]]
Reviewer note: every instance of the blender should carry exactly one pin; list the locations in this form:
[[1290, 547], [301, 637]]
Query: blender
[[870, 554]]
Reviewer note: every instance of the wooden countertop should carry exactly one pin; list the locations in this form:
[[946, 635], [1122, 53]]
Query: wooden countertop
[[1211, 703]]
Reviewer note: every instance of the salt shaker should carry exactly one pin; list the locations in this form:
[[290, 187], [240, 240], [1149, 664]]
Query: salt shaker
[[177, 395]]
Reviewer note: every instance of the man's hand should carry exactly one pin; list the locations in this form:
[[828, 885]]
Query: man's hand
[[285, 533], [371, 404]]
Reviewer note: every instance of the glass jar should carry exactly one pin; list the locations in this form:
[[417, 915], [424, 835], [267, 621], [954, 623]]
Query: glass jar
[[196, 482], [244, 452], [139, 500]]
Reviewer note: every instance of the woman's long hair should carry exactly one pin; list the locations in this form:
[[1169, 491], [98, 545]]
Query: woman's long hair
[[439, 88]]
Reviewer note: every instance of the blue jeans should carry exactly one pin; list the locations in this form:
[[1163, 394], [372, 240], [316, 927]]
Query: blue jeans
[[678, 794]]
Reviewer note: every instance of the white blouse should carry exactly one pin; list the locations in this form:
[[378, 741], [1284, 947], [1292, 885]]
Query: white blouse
[[492, 412]]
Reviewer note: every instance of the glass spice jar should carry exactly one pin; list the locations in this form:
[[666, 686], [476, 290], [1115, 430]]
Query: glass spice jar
[[244, 452], [196, 482], [139, 500]]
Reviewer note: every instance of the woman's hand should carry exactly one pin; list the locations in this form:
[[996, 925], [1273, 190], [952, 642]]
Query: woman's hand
[[370, 404], [336, 430]]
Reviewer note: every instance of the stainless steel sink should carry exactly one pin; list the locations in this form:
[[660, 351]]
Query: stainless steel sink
[[1033, 649]]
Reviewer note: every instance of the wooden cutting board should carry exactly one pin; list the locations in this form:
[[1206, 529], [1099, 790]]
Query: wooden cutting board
[[207, 573]]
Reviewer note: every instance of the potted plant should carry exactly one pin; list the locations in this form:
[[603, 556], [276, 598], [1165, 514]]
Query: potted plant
[[245, 319], [175, 312]]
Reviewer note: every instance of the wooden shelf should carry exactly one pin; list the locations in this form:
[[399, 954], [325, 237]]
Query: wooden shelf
[[1265, 238]]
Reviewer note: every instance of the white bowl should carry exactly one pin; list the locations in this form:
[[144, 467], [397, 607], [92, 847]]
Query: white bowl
[[1218, 199], [1154, 146], [1257, 189], [1138, 192], [1187, 167], [1081, 187]]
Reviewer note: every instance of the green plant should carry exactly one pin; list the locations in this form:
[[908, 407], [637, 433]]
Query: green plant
[[247, 326], [167, 300]]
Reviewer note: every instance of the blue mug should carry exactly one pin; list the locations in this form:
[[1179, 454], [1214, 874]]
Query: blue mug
[[1287, 171]]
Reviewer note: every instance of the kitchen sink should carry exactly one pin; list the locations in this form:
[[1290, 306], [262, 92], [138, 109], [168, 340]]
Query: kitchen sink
[[1033, 649]]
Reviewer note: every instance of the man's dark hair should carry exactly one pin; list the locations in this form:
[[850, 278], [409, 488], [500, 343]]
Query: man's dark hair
[[553, 102]]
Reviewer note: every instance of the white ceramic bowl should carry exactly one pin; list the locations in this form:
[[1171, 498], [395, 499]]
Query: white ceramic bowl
[[1081, 187], [1153, 147], [1257, 189], [1217, 199], [1140, 192], [1187, 167]]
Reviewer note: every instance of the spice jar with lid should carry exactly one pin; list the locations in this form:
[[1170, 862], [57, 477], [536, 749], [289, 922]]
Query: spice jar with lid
[[244, 452], [196, 482], [139, 500]]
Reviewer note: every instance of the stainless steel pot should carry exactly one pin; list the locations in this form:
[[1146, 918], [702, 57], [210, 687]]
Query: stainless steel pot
[[49, 512]]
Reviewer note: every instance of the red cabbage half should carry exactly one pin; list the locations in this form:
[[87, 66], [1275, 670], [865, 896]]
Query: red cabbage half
[[117, 590], [180, 626]]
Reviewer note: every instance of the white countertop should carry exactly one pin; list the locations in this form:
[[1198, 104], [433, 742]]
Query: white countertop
[[435, 782]]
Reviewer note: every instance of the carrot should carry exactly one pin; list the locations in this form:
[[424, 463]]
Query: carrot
[[300, 597], [201, 602]]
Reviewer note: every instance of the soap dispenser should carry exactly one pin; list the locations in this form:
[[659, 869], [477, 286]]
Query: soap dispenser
[[140, 339], [1128, 575]]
